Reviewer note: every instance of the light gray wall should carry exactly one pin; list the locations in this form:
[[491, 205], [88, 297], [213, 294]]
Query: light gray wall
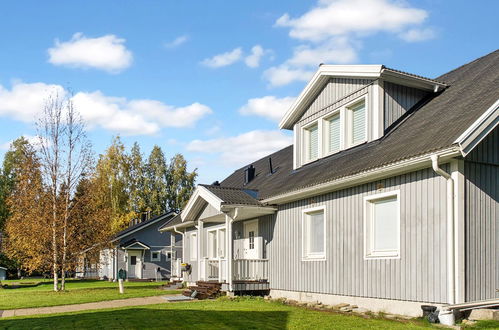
[[398, 100], [481, 168], [420, 273]]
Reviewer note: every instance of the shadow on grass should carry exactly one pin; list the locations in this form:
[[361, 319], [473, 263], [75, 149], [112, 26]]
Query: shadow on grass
[[141, 318]]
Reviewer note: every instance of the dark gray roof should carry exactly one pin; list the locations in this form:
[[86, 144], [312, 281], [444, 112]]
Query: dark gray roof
[[133, 241], [234, 195], [176, 220], [432, 126], [143, 224]]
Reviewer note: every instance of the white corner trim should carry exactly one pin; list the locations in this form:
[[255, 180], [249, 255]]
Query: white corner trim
[[368, 255], [392, 169], [479, 129]]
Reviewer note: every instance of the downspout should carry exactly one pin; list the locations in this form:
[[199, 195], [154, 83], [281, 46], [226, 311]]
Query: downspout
[[183, 243], [450, 229]]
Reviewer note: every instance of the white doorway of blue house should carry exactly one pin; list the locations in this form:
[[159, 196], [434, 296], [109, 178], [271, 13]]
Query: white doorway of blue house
[[134, 263]]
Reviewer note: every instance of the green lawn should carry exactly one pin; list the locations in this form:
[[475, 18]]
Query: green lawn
[[218, 314], [38, 293]]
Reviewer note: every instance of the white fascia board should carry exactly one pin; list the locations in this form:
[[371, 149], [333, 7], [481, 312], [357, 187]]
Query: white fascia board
[[178, 226], [200, 193], [479, 129], [412, 81], [319, 79], [393, 169]]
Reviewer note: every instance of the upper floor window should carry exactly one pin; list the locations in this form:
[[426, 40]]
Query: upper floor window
[[311, 142], [356, 117], [333, 133]]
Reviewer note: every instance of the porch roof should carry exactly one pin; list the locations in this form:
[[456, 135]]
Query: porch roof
[[134, 244]]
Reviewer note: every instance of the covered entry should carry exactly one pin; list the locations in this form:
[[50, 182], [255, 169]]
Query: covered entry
[[134, 257]]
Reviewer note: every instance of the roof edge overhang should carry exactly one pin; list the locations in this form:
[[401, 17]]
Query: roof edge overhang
[[375, 71], [397, 168], [485, 124], [200, 196], [143, 246], [159, 218], [177, 226]]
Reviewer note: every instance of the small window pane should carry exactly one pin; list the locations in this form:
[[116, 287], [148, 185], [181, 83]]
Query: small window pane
[[316, 221], [194, 247], [385, 225], [334, 133], [313, 142], [358, 122]]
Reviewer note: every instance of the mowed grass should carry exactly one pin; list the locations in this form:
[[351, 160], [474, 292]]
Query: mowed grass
[[243, 313], [38, 293]]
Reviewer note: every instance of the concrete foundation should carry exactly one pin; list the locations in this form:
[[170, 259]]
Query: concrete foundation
[[400, 307]]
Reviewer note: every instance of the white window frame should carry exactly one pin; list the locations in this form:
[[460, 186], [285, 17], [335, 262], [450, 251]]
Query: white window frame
[[305, 255], [305, 141], [159, 255], [326, 134], [348, 122], [369, 252], [193, 253]]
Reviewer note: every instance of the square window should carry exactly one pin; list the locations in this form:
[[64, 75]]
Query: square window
[[155, 255], [314, 228], [382, 225]]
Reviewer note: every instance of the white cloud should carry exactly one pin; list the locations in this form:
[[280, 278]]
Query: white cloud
[[177, 41], [416, 35], [340, 17], [224, 59], [34, 140], [244, 148], [284, 74], [332, 32], [257, 52], [24, 102], [106, 53], [269, 107]]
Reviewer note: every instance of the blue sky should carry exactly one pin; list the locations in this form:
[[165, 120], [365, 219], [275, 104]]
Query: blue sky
[[210, 79]]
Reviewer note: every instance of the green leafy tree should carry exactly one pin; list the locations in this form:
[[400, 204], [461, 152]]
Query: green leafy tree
[[181, 183], [139, 193], [157, 181]]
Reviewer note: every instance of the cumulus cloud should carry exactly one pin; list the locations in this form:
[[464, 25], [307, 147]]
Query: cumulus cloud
[[177, 41], [341, 17], [269, 107], [332, 32], [24, 102], [34, 140], [416, 35], [223, 59], [244, 148], [257, 52], [106, 53]]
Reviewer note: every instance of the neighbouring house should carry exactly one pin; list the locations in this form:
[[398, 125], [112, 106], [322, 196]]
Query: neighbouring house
[[387, 199], [3, 273], [141, 250]]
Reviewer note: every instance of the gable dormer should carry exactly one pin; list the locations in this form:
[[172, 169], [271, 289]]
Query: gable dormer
[[347, 105]]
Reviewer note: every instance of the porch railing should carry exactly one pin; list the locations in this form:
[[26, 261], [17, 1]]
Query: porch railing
[[213, 269], [250, 269], [176, 268]]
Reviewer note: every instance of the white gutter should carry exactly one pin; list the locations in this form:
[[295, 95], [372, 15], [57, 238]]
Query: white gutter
[[451, 278]]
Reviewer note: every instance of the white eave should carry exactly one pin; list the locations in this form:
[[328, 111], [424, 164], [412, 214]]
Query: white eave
[[199, 198], [479, 129], [325, 72]]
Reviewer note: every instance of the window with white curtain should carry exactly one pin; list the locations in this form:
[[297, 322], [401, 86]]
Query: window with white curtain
[[314, 239], [382, 225], [357, 122], [311, 142], [193, 246]]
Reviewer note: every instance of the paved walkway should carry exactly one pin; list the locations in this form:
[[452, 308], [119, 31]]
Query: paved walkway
[[87, 306]]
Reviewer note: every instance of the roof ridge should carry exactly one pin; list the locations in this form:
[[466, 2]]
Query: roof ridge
[[226, 187]]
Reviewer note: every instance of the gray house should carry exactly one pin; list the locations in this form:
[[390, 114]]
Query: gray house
[[387, 199], [141, 250]]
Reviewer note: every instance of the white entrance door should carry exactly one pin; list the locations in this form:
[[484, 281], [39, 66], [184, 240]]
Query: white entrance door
[[134, 264], [250, 232]]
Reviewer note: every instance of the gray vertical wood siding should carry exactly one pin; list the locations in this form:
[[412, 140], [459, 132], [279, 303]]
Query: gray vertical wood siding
[[418, 275], [398, 100], [481, 170]]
